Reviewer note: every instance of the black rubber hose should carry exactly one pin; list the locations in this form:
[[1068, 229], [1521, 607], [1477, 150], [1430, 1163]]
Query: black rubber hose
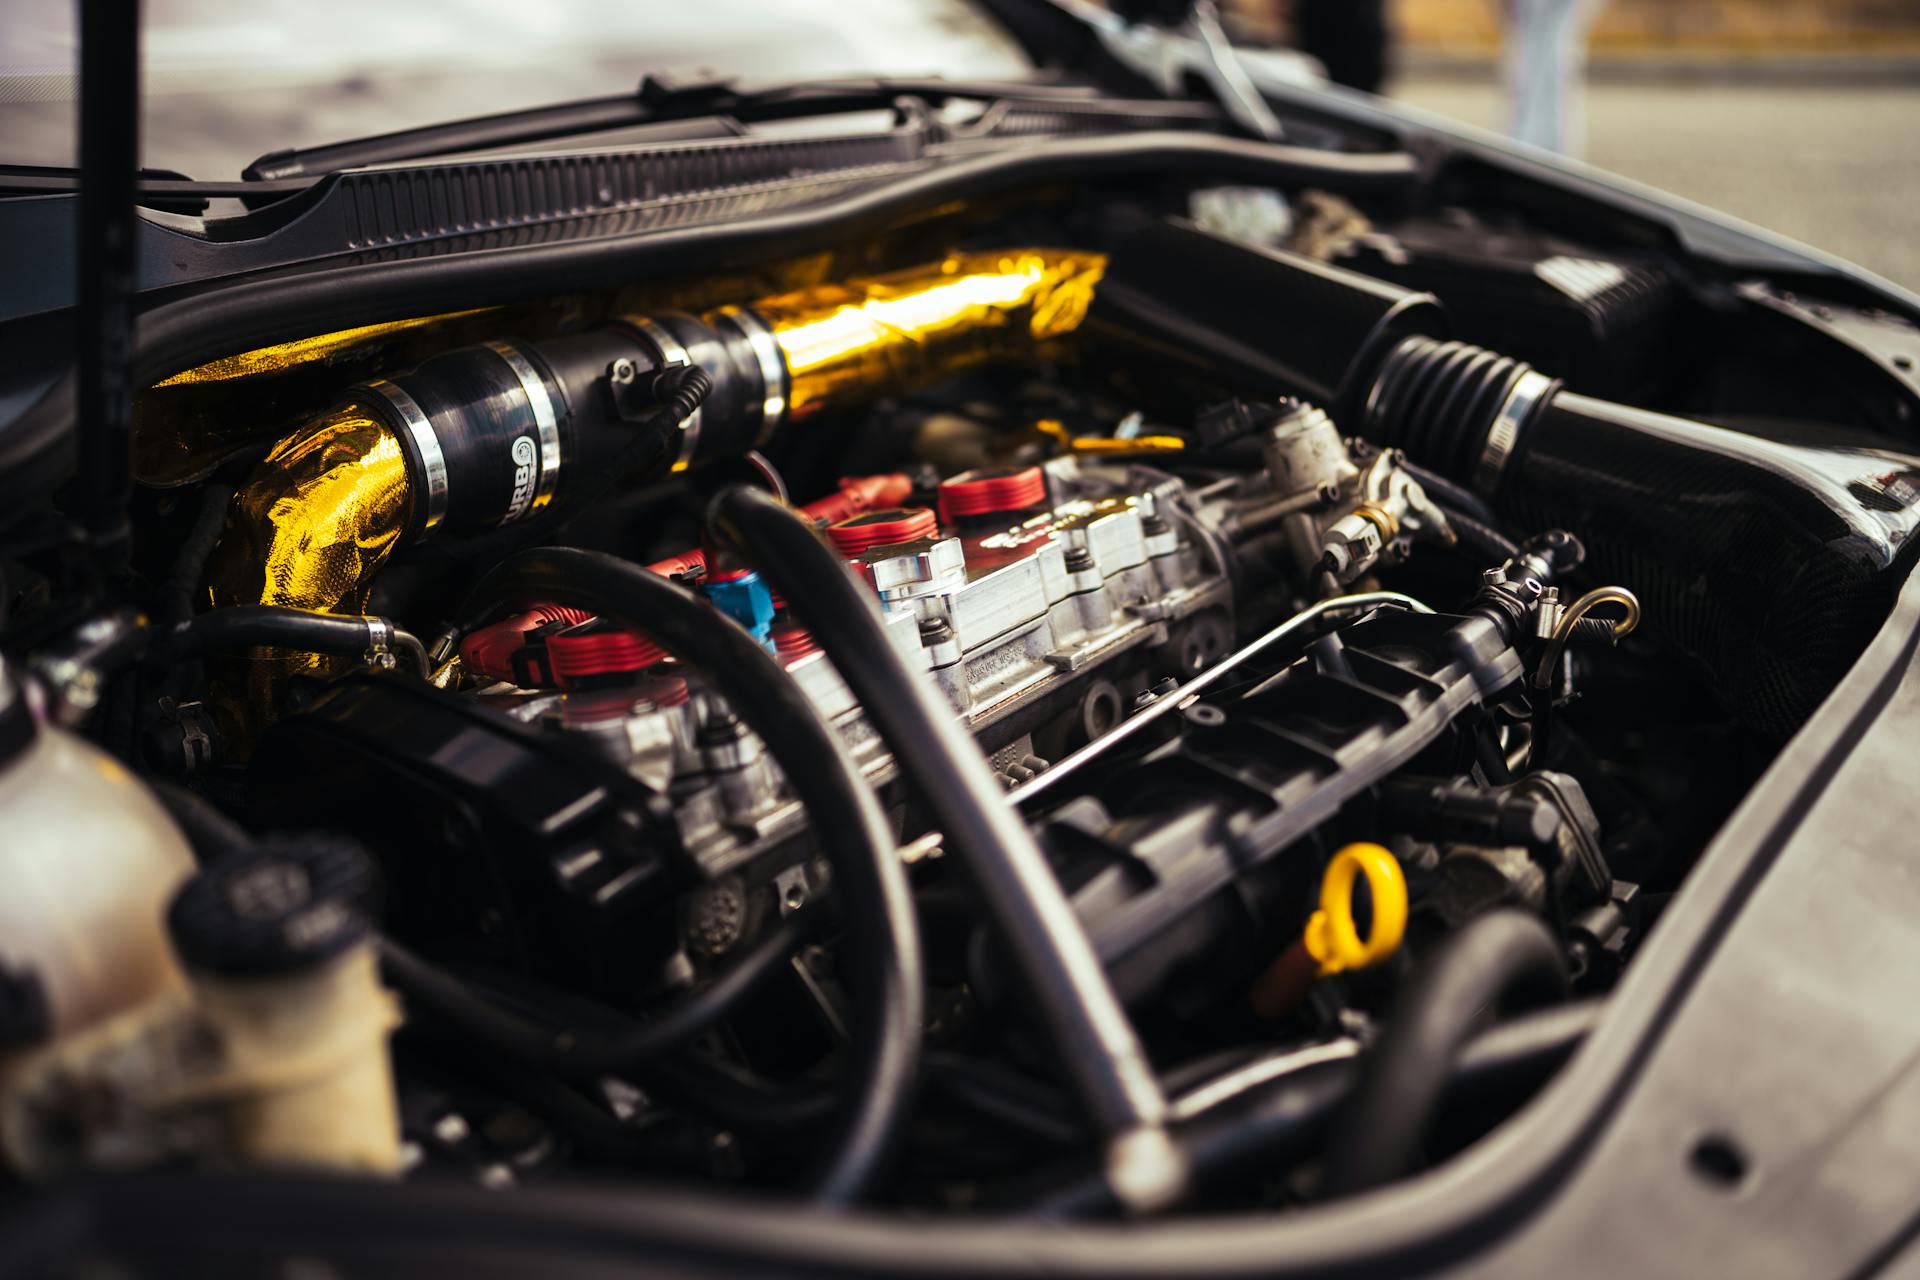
[[1253, 1131], [210, 833], [885, 967], [740, 1100], [190, 564], [1505, 956], [581, 1052], [243, 625], [1472, 519], [1001, 1093], [1084, 1017], [718, 1092], [1450, 494], [1481, 541]]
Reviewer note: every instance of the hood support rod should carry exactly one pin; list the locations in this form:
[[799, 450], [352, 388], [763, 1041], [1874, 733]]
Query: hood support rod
[[107, 261]]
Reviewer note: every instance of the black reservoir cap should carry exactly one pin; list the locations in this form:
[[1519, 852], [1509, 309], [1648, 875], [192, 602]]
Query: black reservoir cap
[[287, 906]]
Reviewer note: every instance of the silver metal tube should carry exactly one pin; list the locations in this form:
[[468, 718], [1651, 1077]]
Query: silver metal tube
[[1188, 695]]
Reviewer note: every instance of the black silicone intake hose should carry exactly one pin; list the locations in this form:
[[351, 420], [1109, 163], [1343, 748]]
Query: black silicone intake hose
[[1096, 1042], [1771, 558], [1506, 957], [492, 434], [885, 969]]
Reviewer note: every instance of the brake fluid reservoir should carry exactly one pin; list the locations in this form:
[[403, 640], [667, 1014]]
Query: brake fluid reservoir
[[88, 863]]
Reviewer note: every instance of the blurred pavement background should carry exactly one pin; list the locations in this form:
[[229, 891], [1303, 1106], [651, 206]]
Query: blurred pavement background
[[1802, 116], [1830, 161]]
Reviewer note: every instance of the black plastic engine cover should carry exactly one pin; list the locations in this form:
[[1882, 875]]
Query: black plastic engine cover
[[1172, 855]]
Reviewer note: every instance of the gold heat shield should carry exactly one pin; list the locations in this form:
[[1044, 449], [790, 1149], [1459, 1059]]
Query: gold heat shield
[[309, 529], [289, 355], [186, 425], [317, 518], [863, 338]]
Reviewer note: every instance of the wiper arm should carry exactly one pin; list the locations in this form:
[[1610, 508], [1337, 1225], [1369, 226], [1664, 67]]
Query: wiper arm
[[659, 100], [161, 189]]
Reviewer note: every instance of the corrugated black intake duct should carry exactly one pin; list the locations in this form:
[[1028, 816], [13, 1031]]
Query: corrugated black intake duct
[[1255, 318], [1768, 558]]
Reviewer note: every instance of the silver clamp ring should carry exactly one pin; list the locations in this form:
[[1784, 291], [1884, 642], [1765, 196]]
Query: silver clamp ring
[[1529, 389], [380, 644], [773, 366], [425, 443], [545, 423], [671, 353]]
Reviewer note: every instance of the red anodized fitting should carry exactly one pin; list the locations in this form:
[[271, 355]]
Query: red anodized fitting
[[859, 494], [663, 688], [881, 529], [578, 656], [793, 643], [991, 491], [493, 650]]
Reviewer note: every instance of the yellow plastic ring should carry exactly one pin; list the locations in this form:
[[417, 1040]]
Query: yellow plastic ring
[[1332, 936]]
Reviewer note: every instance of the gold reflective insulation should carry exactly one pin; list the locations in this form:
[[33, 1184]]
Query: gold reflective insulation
[[312, 525], [866, 337], [322, 512], [187, 424], [318, 516], [289, 355], [309, 529]]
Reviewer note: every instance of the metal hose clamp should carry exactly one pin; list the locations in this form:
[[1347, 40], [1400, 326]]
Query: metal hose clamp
[[546, 425], [426, 446], [773, 365], [380, 644], [1529, 389]]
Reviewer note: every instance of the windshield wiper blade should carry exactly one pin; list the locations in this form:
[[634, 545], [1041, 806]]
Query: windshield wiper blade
[[1231, 83], [659, 100], [587, 116]]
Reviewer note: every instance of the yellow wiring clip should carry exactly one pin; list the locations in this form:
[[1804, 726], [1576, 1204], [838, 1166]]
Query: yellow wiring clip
[[1332, 937], [1112, 446]]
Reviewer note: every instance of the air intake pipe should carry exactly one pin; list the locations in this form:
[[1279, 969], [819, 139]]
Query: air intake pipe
[[489, 435], [1769, 558]]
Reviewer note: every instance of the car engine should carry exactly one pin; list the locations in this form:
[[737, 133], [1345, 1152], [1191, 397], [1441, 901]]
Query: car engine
[[1069, 705]]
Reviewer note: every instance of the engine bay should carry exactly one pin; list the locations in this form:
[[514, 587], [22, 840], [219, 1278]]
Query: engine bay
[[1078, 706]]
